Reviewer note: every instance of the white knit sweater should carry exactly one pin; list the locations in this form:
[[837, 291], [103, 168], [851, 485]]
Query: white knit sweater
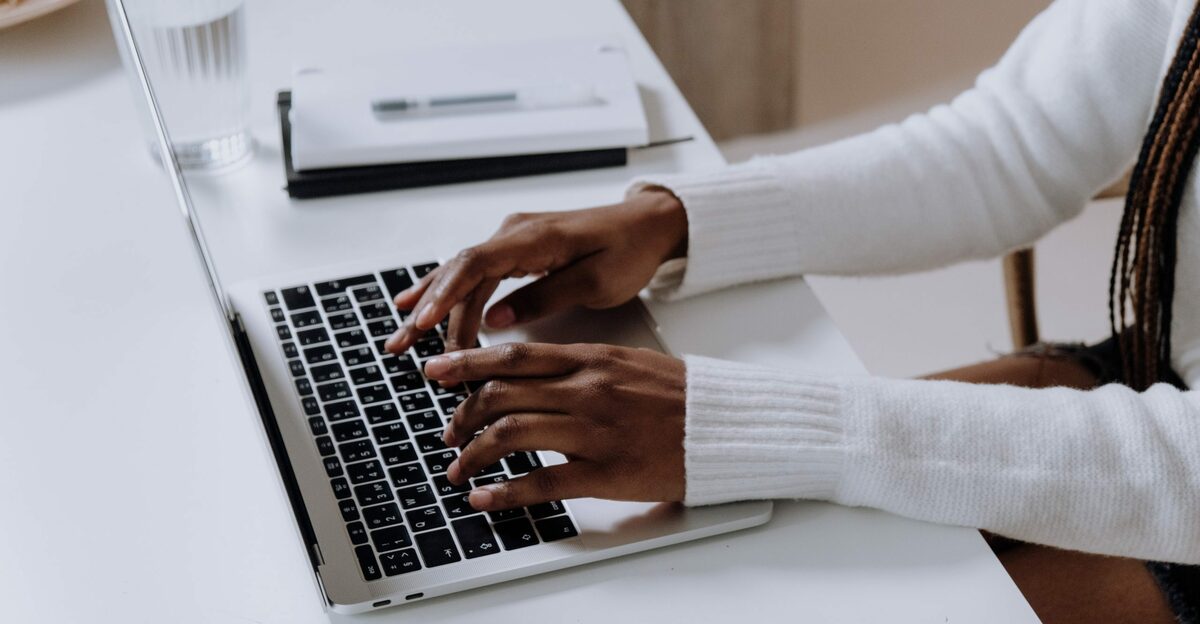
[[1108, 471]]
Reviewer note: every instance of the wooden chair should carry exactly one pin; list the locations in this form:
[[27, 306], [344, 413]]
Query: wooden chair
[[1019, 282]]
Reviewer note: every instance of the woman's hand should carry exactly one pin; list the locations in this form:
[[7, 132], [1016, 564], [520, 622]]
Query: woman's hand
[[598, 258], [616, 413]]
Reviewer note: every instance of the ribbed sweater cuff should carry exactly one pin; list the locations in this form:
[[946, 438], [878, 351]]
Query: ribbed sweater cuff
[[757, 433], [740, 228]]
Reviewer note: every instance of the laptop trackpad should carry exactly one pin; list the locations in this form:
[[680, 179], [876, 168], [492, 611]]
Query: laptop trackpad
[[627, 325]]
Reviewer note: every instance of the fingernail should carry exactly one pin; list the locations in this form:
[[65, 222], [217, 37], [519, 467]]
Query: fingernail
[[426, 315], [452, 471], [393, 341], [448, 439], [481, 498], [501, 315], [440, 366]]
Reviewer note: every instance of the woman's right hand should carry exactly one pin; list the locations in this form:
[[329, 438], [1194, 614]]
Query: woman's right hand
[[596, 258]]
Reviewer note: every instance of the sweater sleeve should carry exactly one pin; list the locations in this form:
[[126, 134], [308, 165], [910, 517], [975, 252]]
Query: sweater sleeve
[[1109, 471], [1057, 118]]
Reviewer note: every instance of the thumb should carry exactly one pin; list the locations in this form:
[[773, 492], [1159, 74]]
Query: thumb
[[572, 286]]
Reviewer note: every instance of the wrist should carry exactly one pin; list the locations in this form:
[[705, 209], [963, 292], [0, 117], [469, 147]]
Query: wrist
[[669, 218]]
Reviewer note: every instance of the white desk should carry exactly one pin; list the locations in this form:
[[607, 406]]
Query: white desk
[[133, 478]]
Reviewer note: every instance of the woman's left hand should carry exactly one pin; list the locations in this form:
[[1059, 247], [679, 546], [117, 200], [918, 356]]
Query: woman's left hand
[[616, 413]]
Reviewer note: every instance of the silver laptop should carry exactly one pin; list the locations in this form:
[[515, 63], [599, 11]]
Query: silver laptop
[[356, 435]]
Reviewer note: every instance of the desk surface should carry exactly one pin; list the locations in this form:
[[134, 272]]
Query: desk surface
[[134, 478]]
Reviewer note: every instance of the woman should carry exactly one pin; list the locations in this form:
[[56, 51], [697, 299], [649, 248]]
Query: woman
[[1089, 88]]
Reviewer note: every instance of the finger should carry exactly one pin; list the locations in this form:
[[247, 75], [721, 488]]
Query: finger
[[466, 317], [513, 359], [407, 298], [569, 480], [500, 397], [495, 259], [562, 289], [515, 432]]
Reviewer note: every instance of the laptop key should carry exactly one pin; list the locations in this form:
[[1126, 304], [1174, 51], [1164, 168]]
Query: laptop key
[[450, 403], [290, 350], [303, 387], [296, 367], [350, 430], [340, 303], [430, 442], [277, 315], [397, 454], [311, 407], [475, 536], [439, 462], [324, 289], [306, 319], [327, 372], [316, 424], [298, 298], [545, 510], [365, 472], [357, 450], [271, 297], [317, 355], [341, 488], [367, 293], [367, 563], [325, 446], [443, 487], [424, 421], [396, 280], [556, 528], [382, 515], [376, 311], [429, 347], [382, 413], [351, 338], [365, 375], [421, 270], [441, 390], [334, 391], [407, 382], [373, 493], [349, 510], [516, 533], [357, 357], [399, 562], [374, 394], [425, 519], [521, 463], [394, 364], [382, 329], [416, 496], [390, 433], [341, 410], [333, 467], [312, 336], [391, 538], [456, 506], [415, 402], [506, 514], [381, 347], [492, 469], [492, 480], [283, 332], [409, 474], [344, 320], [357, 533], [437, 548]]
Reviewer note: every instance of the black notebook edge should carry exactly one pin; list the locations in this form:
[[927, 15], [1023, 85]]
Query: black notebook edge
[[365, 179]]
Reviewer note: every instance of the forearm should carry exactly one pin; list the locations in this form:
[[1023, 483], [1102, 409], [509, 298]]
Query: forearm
[[1108, 471]]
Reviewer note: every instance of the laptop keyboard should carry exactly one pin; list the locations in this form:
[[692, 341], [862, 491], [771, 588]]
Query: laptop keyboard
[[377, 423]]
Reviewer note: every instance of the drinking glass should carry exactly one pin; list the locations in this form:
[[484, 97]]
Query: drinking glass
[[194, 52]]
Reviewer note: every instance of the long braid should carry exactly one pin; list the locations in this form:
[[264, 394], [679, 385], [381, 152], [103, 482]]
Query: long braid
[[1143, 270]]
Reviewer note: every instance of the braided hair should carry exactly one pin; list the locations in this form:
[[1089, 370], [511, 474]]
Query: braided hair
[[1142, 282]]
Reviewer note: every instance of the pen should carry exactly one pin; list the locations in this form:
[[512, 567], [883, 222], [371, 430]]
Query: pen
[[533, 98]]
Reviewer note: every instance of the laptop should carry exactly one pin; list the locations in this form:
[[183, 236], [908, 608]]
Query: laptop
[[356, 433]]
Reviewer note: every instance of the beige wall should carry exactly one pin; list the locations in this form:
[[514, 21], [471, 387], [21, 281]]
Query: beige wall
[[756, 66]]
